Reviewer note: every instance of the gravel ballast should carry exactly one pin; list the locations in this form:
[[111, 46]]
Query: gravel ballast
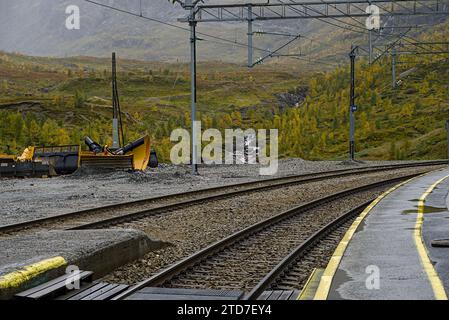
[[29, 199], [193, 228]]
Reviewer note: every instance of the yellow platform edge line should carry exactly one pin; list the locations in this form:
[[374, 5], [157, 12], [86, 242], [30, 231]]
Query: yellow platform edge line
[[326, 279], [432, 275], [19, 277], [307, 293]]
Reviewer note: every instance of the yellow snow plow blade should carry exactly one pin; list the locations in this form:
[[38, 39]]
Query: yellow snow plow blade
[[141, 155], [134, 156]]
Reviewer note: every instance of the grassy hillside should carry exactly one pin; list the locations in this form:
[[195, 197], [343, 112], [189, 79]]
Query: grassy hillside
[[59, 101], [407, 122]]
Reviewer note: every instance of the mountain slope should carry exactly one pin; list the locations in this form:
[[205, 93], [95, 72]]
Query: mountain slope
[[38, 28], [407, 122]]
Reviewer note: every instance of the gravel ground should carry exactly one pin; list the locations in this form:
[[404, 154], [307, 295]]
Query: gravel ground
[[243, 265], [188, 231], [36, 198]]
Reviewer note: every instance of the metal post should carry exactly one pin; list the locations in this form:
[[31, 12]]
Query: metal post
[[370, 40], [447, 129], [393, 67], [250, 36], [115, 123], [352, 107], [193, 39]]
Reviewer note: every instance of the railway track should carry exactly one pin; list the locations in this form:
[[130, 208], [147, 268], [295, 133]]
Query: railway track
[[244, 259], [128, 211], [292, 272]]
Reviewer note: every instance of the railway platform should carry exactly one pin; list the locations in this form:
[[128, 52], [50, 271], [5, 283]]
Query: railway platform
[[397, 249], [31, 260]]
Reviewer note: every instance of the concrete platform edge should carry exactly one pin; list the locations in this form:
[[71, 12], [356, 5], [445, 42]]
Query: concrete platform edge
[[325, 283], [100, 261]]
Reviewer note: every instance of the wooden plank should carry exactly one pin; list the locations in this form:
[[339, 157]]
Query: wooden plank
[[264, 296], [285, 295], [97, 293], [295, 295], [275, 295], [89, 291], [49, 287], [71, 294], [112, 293]]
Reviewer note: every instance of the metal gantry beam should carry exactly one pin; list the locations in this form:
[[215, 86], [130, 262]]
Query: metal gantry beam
[[410, 47], [315, 10], [399, 47], [323, 9], [390, 45], [275, 53]]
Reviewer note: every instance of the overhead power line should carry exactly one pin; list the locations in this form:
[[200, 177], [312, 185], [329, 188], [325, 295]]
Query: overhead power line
[[168, 24], [304, 12]]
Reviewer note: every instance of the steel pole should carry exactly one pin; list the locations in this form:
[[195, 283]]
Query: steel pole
[[115, 122], [393, 67], [447, 129], [250, 36], [352, 108], [370, 40], [194, 154]]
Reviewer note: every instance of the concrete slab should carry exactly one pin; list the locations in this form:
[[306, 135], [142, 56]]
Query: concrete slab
[[384, 244], [436, 226], [28, 261]]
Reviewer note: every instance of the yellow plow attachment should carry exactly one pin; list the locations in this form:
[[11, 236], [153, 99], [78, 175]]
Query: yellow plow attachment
[[134, 156], [141, 155]]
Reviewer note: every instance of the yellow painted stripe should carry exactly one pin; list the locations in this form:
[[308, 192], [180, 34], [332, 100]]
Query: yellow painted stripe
[[17, 278], [308, 291], [432, 275], [329, 273]]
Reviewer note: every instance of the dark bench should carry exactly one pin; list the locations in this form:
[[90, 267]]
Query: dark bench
[[280, 295], [54, 287], [57, 289]]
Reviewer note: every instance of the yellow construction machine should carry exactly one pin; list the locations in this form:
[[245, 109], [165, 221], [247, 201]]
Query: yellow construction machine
[[48, 161], [24, 165], [134, 156], [60, 160]]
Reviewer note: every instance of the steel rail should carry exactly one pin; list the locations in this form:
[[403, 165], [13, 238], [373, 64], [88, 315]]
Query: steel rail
[[299, 252], [203, 255], [103, 223], [251, 187]]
